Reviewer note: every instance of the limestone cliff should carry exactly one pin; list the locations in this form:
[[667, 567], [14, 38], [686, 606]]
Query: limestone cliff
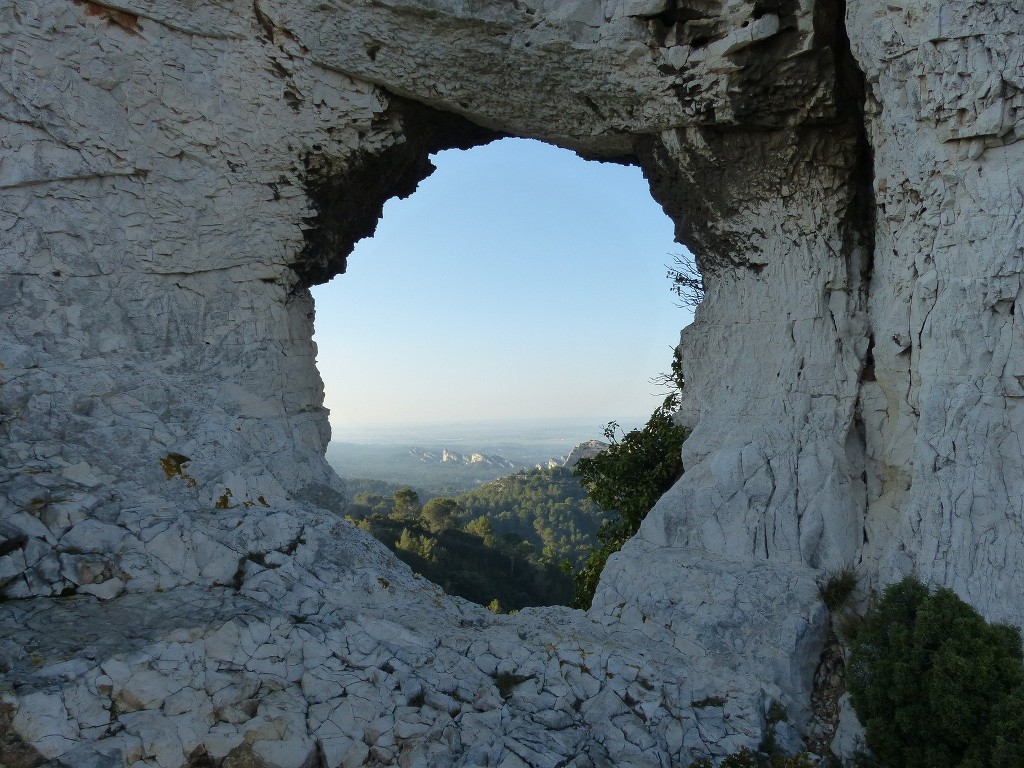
[[174, 176]]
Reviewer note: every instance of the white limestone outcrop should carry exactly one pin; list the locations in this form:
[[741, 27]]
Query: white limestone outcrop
[[179, 588], [585, 450]]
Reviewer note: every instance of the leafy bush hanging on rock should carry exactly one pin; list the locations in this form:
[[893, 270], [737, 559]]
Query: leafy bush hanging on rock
[[626, 480]]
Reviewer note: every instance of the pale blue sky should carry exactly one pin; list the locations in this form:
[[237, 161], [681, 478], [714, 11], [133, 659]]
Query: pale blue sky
[[518, 282]]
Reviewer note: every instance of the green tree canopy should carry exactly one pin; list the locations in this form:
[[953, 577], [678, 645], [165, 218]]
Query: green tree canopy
[[441, 513], [481, 526], [935, 685], [626, 480], [407, 504]]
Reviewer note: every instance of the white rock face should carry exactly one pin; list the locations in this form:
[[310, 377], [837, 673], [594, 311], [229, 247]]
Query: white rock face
[[585, 450], [428, 456], [855, 402], [173, 176], [946, 470]]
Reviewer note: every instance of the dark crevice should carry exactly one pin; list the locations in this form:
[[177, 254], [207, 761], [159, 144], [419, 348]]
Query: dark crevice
[[851, 97], [10, 545], [786, 10], [292, 100], [239, 577], [348, 192], [279, 71], [867, 373], [858, 223], [695, 22], [264, 21], [683, 11], [260, 558], [13, 751], [592, 105], [200, 758], [777, 84]]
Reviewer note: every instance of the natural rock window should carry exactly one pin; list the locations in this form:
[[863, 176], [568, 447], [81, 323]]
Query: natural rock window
[[518, 279], [178, 588]]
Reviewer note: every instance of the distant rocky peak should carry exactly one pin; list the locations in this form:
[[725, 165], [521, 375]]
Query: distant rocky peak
[[585, 450], [444, 456]]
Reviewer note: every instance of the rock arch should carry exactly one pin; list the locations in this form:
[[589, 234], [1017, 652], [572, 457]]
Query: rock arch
[[176, 174]]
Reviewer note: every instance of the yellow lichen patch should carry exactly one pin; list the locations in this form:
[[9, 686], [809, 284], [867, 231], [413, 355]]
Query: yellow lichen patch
[[174, 466]]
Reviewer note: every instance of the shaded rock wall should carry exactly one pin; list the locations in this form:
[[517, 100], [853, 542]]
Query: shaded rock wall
[[180, 588]]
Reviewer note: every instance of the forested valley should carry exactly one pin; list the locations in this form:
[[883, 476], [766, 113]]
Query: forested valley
[[508, 544], [537, 537]]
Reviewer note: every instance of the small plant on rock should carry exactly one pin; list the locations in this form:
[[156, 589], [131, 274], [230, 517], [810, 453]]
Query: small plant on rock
[[837, 589]]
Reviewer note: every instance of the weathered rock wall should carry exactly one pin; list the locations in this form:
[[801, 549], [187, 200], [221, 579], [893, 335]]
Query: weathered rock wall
[[173, 176], [944, 413], [856, 400]]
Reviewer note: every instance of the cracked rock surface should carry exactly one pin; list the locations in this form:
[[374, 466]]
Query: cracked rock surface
[[178, 585]]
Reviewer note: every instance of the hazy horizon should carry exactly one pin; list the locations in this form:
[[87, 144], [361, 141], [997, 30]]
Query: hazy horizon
[[483, 431]]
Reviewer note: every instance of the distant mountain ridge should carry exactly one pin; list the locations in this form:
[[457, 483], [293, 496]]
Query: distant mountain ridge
[[585, 450], [454, 458], [444, 469]]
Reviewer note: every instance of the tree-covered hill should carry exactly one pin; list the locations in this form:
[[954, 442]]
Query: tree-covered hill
[[535, 537], [547, 507], [511, 541]]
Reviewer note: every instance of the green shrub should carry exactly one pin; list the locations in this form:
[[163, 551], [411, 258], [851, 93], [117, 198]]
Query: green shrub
[[626, 480], [935, 685]]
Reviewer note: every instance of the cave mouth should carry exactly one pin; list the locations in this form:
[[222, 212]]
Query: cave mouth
[[519, 278]]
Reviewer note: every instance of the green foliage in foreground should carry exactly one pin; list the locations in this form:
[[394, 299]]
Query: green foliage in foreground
[[935, 685], [467, 559], [546, 507], [626, 480]]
